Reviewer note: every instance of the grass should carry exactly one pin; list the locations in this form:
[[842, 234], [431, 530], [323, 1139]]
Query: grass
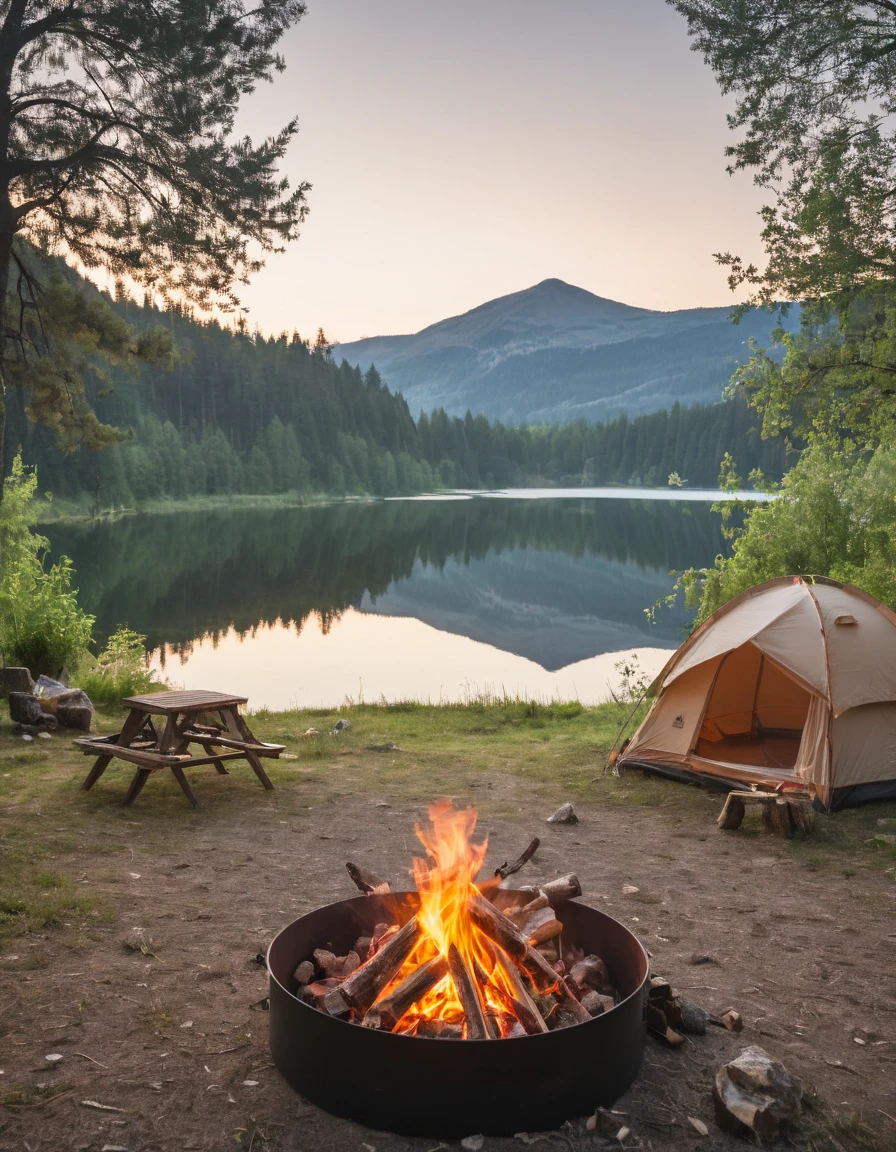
[[409, 750]]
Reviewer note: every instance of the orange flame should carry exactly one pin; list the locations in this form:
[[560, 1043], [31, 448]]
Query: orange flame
[[446, 883]]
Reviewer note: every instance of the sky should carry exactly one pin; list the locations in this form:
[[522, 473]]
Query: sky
[[461, 151]]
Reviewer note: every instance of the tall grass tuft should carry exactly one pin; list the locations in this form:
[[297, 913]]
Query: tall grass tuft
[[121, 669]]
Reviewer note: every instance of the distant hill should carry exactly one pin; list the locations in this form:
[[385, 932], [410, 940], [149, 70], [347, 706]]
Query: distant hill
[[555, 353]]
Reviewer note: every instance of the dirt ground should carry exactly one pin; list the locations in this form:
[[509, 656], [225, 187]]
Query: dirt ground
[[173, 1045]]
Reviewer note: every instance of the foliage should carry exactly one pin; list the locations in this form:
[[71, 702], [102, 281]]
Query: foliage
[[633, 681], [835, 516], [41, 625], [815, 95], [120, 669], [121, 144], [838, 374], [118, 149]]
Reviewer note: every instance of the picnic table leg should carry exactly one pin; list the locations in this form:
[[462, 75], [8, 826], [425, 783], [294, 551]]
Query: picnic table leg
[[131, 727], [258, 769], [99, 767], [181, 778], [140, 778]]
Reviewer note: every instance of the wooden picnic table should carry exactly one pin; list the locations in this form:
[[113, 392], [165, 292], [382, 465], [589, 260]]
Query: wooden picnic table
[[227, 737]]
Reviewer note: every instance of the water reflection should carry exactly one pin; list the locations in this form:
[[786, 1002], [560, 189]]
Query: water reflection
[[415, 599]]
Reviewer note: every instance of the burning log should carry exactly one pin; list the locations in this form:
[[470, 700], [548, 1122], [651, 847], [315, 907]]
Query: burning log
[[508, 937], [522, 1004], [368, 882], [386, 1012], [467, 993], [364, 985], [546, 930], [508, 869]]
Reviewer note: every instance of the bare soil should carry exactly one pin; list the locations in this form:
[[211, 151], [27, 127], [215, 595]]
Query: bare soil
[[174, 1044]]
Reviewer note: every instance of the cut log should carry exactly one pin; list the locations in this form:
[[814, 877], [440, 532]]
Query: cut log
[[547, 930], [386, 1012], [304, 974], [590, 973], [732, 814], [528, 924], [476, 1027], [563, 888], [508, 869], [368, 882], [365, 984], [508, 937], [439, 1030]]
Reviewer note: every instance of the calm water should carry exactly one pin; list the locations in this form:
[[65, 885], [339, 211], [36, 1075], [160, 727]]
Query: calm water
[[404, 599]]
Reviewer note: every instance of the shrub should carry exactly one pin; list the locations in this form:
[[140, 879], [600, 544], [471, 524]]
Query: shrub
[[120, 669], [42, 626]]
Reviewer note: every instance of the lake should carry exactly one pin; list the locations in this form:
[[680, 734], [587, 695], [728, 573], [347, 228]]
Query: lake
[[530, 592]]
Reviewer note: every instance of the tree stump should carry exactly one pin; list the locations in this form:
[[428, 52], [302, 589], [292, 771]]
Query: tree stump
[[802, 815], [776, 817]]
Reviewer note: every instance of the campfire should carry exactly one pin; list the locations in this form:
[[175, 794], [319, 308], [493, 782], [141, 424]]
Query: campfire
[[473, 962]]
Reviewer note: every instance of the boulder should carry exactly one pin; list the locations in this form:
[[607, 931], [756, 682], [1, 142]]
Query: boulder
[[565, 814], [25, 709], [77, 714], [15, 680], [756, 1093]]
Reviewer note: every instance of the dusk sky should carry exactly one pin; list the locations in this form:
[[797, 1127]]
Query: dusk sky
[[462, 151]]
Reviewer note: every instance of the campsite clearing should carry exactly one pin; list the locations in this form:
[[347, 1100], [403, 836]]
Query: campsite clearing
[[797, 934]]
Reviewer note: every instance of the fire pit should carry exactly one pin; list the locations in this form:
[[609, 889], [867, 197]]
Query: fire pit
[[457, 1021]]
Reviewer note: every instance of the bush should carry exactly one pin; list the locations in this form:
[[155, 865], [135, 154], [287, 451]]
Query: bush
[[42, 626], [120, 670]]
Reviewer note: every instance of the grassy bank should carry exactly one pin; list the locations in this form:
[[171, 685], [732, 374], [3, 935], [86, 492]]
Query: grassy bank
[[62, 511], [412, 752]]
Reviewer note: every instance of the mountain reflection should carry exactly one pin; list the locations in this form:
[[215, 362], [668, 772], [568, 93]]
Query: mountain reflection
[[552, 580]]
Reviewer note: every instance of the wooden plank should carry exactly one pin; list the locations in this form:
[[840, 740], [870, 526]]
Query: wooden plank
[[150, 760], [196, 700], [260, 749]]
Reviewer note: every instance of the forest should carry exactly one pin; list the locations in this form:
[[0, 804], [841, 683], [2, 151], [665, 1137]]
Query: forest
[[238, 412]]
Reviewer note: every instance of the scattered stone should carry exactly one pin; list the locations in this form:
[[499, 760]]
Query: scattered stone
[[698, 1125], [27, 737], [472, 1143], [623, 1134], [138, 940], [565, 814], [756, 1093], [25, 709], [630, 890], [53, 1058], [310, 732], [44, 736], [693, 1018], [702, 958], [342, 726], [733, 1020], [881, 838], [15, 680]]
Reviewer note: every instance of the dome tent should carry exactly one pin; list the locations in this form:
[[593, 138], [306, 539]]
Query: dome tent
[[791, 683]]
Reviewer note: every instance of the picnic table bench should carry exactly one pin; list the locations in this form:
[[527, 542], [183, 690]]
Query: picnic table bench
[[139, 742]]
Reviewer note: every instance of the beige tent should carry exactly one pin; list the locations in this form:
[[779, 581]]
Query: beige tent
[[792, 682]]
